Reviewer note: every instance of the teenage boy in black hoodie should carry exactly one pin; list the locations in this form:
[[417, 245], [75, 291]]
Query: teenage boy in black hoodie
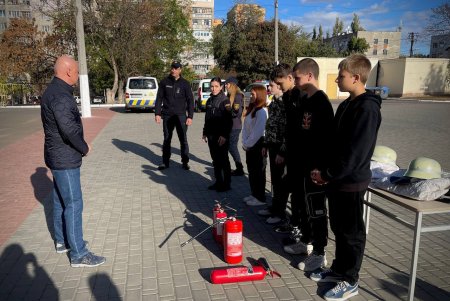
[[348, 175], [313, 132]]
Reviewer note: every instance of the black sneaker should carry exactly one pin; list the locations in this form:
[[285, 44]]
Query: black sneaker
[[163, 166], [88, 260], [283, 228], [186, 166], [294, 237], [237, 172]]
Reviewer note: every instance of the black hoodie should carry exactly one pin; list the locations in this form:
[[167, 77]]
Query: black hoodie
[[356, 126]]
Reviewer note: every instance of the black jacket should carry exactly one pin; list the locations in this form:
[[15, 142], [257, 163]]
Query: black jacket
[[309, 130], [356, 125], [218, 119], [174, 98], [64, 143]]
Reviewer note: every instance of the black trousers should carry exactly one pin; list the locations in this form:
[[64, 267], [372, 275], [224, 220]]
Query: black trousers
[[170, 123], [256, 166], [347, 224], [221, 163], [279, 183], [309, 204]]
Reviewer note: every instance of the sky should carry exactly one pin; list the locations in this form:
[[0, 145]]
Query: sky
[[386, 15]]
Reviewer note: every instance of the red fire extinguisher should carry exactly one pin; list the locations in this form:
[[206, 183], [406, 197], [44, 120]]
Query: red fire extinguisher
[[232, 238], [221, 217], [216, 209], [241, 274]]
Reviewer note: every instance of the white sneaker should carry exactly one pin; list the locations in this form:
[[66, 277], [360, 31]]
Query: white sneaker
[[255, 202], [313, 262], [299, 248], [273, 220], [248, 198]]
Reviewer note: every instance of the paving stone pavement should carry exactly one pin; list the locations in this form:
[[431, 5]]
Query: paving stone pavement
[[137, 217]]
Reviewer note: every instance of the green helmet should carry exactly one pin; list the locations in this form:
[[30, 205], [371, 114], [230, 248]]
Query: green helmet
[[384, 154], [424, 168]]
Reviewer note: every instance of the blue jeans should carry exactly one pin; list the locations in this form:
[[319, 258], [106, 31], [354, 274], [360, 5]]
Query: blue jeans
[[67, 211], [233, 148]]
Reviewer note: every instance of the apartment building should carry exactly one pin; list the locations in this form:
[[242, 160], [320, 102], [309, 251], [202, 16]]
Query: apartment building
[[202, 15], [10, 9], [440, 46], [242, 13], [382, 44]]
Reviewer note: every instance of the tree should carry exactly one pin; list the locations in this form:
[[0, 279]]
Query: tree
[[357, 45], [250, 53], [439, 22], [320, 36], [355, 25], [121, 36], [338, 27], [314, 35], [24, 54]]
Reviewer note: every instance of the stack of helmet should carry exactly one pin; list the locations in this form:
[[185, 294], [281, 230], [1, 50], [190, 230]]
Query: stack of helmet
[[421, 181], [424, 168], [383, 162]]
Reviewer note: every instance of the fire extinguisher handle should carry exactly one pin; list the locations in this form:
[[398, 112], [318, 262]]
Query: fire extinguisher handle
[[263, 262]]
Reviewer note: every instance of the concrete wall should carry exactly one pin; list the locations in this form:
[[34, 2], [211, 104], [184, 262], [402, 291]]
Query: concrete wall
[[328, 72], [403, 76], [392, 75], [414, 76]]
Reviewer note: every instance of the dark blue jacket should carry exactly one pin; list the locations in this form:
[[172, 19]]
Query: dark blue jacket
[[174, 98], [64, 143]]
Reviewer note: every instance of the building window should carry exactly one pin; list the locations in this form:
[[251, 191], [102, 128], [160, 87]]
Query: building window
[[14, 14], [374, 52], [375, 41], [386, 41], [2, 13], [435, 45], [26, 14], [384, 51], [2, 26]]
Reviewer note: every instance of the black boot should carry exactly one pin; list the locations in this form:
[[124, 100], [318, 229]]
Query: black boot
[[239, 171]]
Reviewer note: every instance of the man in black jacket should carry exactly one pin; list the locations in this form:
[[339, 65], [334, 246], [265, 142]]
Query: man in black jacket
[[173, 101], [63, 151]]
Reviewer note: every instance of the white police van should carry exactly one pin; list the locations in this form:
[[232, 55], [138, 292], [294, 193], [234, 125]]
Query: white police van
[[140, 92]]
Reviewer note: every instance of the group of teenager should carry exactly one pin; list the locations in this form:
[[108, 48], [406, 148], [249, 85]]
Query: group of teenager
[[315, 156]]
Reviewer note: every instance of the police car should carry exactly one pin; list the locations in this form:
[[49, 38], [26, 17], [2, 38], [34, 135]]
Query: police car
[[140, 93]]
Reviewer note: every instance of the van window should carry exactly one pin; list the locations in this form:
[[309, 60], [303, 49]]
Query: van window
[[206, 87], [142, 83]]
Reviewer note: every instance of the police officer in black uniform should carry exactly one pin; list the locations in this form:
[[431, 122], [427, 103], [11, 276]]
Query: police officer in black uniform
[[175, 106]]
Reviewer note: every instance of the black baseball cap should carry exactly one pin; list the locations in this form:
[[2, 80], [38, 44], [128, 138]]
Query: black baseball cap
[[176, 64], [231, 80]]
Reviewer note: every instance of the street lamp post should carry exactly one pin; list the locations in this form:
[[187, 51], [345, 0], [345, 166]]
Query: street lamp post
[[276, 32], [84, 81]]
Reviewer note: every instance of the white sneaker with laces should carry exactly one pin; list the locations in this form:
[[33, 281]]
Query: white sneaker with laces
[[255, 202], [299, 248], [273, 220], [313, 262]]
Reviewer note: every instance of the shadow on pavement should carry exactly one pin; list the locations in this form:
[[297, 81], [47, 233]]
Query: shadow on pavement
[[22, 278], [186, 186], [42, 185], [103, 288]]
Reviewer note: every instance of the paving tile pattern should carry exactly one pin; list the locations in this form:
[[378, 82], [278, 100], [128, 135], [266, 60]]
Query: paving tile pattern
[[138, 216]]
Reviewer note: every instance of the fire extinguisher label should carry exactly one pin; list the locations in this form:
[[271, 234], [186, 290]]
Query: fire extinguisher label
[[234, 244], [237, 272]]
